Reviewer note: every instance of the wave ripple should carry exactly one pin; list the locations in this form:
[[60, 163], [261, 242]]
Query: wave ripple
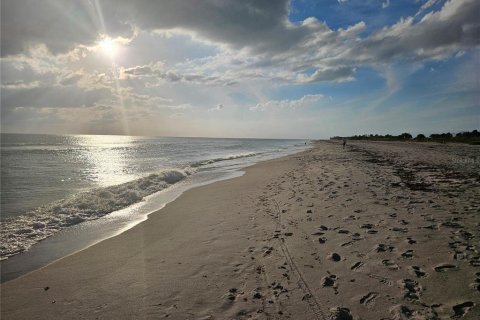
[[20, 233]]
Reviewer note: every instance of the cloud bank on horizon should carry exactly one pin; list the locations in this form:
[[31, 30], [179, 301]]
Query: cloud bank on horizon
[[250, 68]]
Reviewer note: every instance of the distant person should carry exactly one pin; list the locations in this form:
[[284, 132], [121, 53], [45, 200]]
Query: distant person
[[344, 143]]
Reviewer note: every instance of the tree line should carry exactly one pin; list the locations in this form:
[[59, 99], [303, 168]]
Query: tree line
[[471, 137]]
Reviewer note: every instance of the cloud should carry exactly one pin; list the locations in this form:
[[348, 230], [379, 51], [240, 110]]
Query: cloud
[[426, 6], [248, 36], [333, 55], [56, 97], [60, 25], [337, 74], [305, 101], [437, 36], [218, 107], [156, 72], [386, 4]]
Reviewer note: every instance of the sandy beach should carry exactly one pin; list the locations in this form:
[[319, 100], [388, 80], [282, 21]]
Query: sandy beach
[[378, 230]]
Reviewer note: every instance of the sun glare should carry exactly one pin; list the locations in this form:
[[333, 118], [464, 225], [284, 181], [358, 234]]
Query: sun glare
[[108, 47]]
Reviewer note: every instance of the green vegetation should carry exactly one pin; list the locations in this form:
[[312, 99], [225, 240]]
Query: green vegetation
[[472, 137]]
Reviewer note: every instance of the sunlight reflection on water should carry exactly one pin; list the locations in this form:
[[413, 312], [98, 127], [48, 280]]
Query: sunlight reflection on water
[[108, 158]]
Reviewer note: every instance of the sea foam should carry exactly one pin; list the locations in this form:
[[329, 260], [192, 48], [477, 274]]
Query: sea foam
[[20, 233], [230, 157]]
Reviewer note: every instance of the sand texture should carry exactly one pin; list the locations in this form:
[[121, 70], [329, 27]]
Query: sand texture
[[375, 231]]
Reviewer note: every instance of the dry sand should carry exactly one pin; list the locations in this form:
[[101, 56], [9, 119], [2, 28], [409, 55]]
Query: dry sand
[[375, 231]]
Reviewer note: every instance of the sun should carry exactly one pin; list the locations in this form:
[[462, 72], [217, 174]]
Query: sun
[[108, 46]]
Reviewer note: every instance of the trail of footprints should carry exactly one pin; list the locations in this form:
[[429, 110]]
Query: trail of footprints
[[300, 187]]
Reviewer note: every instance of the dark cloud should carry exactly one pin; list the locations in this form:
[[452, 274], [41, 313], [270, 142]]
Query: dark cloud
[[60, 25], [255, 24], [258, 24]]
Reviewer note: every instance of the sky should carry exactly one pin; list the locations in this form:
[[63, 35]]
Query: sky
[[240, 68]]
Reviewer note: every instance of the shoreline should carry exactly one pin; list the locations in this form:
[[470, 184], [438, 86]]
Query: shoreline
[[62, 194], [82, 235], [292, 238]]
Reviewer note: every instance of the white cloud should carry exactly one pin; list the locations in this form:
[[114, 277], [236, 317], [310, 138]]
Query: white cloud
[[218, 107], [325, 74], [438, 35], [426, 6], [306, 101], [386, 4]]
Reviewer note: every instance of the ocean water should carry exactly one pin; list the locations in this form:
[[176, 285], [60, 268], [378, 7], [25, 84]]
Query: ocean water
[[99, 184]]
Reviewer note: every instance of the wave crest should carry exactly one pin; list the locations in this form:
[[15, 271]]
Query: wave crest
[[232, 157], [20, 233]]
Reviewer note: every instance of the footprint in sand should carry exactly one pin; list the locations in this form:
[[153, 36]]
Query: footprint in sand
[[256, 294], [402, 230], [368, 298], [347, 244], [408, 254], [417, 271], [476, 285], [383, 248], [329, 281], [450, 224], [356, 237], [461, 309], [390, 264], [445, 267], [232, 294], [402, 312], [412, 289], [366, 226], [475, 261], [411, 241], [334, 257], [357, 266], [340, 313], [267, 251]]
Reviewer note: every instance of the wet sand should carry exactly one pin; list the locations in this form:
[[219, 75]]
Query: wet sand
[[375, 231]]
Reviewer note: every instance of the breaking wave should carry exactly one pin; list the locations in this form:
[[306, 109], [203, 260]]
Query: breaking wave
[[232, 157], [20, 233]]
